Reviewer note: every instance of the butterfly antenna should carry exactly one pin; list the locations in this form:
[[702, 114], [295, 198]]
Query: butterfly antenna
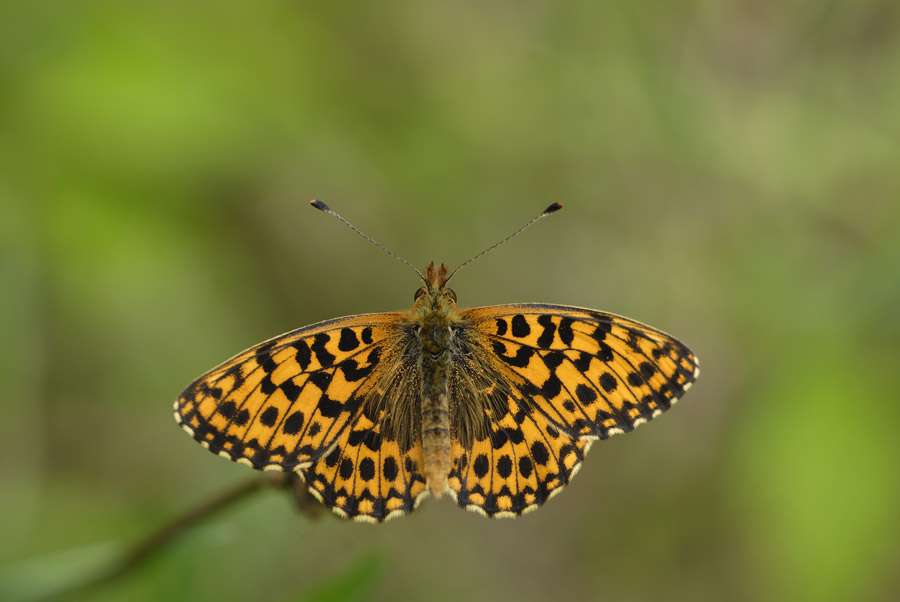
[[326, 209], [551, 209]]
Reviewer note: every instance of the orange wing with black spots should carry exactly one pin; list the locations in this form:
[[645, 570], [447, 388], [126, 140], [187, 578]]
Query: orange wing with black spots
[[591, 373], [295, 402], [572, 376], [367, 477], [524, 462]]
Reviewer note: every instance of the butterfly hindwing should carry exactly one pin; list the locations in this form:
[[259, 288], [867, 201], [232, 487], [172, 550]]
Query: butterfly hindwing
[[593, 374], [524, 462], [367, 477], [285, 402]]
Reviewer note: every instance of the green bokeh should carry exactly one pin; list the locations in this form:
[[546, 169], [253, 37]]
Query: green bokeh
[[730, 174]]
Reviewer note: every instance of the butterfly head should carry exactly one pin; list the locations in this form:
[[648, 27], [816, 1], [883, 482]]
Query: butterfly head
[[435, 293]]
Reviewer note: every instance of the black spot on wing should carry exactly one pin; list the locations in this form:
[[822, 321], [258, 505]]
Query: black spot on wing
[[481, 466], [321, 379], [346, 470], [551, 387], [604, 352], [504, 466], [583, 362], [525, 466], [585, 394], [566, 334], [356, 437], [553, 359], [389, 469], [539, 453], [499, 438], [290, 390], [352, 371], [263, 357], [333, 456], [330, 408], [348, 340], [293, 424], [520, 327], [303, 355], [267, 386], [367, 469], [318, 347], [520, 360], [268, 364], [546, 339], [501, 327], [228, 410], [369, 437], [608, 382], [374, 356], [269, 416]]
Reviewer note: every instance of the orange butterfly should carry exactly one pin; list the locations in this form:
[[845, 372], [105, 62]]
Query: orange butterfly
[[495, 406]]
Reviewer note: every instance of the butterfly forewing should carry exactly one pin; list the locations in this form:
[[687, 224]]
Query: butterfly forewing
[[285, 402], [590, 373]]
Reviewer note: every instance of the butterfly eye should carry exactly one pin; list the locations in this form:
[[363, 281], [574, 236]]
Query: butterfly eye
[[419, 293], [450, 293]]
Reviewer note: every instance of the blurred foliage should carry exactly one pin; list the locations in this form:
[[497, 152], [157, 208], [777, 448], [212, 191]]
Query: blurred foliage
[[730, 174]]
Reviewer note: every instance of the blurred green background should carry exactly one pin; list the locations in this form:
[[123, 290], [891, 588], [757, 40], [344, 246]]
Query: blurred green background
[[731, 174]]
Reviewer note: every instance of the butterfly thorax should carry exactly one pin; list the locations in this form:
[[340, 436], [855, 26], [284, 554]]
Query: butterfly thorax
[[435, 320]]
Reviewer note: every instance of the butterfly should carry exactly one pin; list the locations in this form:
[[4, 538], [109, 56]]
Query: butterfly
[[494, 406]]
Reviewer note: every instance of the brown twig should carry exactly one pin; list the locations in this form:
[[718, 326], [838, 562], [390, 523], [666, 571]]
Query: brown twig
[[158, 540]]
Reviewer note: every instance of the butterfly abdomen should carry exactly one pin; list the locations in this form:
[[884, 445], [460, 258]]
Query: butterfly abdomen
[[435, 420], [435, 315]]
